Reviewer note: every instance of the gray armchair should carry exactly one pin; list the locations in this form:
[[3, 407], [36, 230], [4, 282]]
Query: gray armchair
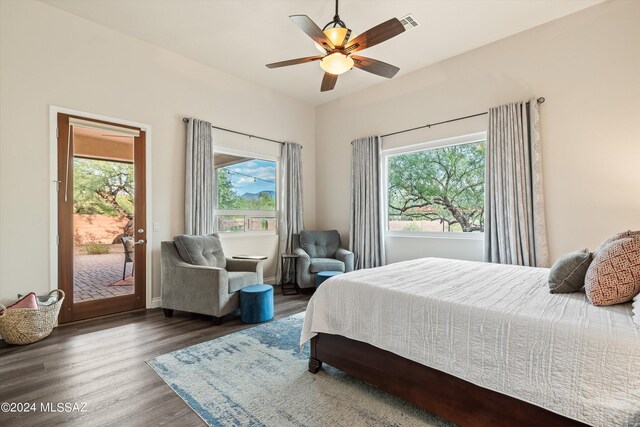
[[320, 251], [196, 276]]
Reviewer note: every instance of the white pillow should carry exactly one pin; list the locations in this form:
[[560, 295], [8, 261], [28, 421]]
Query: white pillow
[[636, 309]]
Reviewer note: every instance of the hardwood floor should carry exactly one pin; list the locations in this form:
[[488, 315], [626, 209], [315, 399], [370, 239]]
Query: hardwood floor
[[101, 363]]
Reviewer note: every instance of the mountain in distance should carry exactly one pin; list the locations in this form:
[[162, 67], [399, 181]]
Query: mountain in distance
[[256, 196]]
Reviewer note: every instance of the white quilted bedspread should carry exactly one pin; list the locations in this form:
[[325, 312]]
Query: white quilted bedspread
[[496, 326]]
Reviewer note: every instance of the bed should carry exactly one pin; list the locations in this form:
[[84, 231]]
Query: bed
[[479, 343]]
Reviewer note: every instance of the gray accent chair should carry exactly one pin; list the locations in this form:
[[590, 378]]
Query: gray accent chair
[[196, 276], [320, 251]]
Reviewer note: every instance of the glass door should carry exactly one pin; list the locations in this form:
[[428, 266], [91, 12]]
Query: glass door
[[101, 217]]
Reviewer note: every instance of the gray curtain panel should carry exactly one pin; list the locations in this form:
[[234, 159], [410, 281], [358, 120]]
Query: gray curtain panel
[[366, 236], [199, 180], [290, 220], [515, 230]]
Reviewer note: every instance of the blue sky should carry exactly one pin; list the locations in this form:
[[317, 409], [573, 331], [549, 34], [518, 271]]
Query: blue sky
[[258, 171]]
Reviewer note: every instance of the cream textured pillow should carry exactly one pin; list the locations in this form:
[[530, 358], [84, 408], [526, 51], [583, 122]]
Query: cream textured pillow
[[636, 309], [614, 275]]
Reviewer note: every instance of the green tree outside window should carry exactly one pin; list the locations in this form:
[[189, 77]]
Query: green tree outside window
[[445, 185]]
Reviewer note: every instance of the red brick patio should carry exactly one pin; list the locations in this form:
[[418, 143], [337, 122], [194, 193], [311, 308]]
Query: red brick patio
[[94, 276]]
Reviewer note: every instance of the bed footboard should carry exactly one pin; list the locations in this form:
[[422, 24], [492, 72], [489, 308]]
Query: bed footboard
[[442, 394]]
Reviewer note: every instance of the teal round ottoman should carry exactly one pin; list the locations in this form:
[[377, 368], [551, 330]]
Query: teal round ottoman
[[256, 303], [324, 275]]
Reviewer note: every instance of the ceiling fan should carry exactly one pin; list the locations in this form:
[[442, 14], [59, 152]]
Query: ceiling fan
[[337, 58]]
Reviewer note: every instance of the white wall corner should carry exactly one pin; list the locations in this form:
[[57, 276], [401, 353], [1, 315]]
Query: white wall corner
[[156, 302]]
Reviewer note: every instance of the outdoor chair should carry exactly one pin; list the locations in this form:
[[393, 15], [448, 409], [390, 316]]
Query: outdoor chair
[[129, 246]]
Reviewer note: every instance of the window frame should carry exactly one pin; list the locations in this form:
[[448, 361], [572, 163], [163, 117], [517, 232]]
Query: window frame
[[246, 213], [408, 149]]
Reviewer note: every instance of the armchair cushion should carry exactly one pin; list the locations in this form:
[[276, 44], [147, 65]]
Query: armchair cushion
[[320, 244], [326, 264], [240, 279], [201, 250]]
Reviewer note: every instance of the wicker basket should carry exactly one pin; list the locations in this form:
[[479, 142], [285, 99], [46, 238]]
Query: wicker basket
[[28, 325]]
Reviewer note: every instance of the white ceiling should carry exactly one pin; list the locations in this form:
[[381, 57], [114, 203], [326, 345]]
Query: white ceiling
[[241, 36]]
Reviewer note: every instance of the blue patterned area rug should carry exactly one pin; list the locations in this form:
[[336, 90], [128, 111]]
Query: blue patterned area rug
[[259, 377]]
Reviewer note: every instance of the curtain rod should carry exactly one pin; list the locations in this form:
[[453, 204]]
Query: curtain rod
[[540, 101], [186, 120]]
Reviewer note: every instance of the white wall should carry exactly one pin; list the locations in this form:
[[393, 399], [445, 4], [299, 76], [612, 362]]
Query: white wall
[[587, 65], [48, 57]]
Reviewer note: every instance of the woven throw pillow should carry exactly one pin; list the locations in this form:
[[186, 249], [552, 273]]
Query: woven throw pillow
[[568, 272], [623, 235], [614, 275]]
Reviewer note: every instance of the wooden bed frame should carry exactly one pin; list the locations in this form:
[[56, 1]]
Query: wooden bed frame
[[442, 394]]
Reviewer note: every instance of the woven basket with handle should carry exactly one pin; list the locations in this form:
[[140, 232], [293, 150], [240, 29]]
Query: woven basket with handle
[[28, 325]]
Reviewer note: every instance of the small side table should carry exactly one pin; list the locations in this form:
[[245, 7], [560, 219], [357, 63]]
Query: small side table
[[290, 288], [253, 257]]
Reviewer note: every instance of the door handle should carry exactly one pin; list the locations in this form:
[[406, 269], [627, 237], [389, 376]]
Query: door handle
[[140, 242]]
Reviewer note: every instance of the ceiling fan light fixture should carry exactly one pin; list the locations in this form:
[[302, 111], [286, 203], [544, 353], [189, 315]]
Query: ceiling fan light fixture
[[336, 63], [336, 35]]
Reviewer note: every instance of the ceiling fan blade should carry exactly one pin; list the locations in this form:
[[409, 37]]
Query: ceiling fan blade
[[374, 66], [294, 61], [328, 82], [312, 30], [375, 35]]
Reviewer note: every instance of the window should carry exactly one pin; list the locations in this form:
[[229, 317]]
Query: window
[[437, 187], [245, 194]]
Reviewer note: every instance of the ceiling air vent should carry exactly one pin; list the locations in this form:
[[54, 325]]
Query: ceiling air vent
[[409, 22]]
